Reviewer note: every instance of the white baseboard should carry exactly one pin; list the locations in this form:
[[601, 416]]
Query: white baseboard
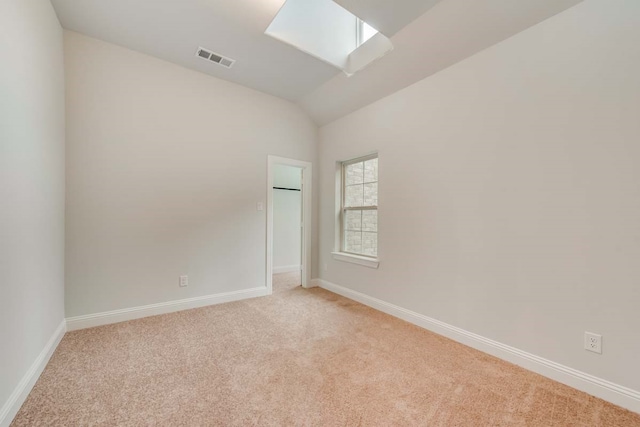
[[122, 315], [20, 393], [606, 390], [286, 269]]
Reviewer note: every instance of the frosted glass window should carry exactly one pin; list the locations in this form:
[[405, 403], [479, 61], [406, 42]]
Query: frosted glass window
[[359, 215], [369, 244], [353, 242], [354, 221], [371, 170], [371, 194], [370, 221], [354, 173], [354, 195]]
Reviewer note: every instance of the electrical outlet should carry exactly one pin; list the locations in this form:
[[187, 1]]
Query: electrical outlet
[[593, 342], [326, 267], [184, 281]]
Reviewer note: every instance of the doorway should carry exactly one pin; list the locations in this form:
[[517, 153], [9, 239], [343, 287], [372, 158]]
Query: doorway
[[288, 223]]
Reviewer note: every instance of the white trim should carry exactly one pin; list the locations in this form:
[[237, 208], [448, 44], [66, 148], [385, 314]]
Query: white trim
[[122, 315], [607, 390], [307, 174], [286, 269], [356, 259], [20, 393]]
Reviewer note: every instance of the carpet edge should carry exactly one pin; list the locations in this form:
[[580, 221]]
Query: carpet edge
[[590, 384], [122, 315], [11, 407], [286, 269]]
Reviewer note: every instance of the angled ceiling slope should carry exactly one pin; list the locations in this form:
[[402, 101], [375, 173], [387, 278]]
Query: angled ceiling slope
[[174, 29], [447, 33], [387, 16], [428, 36]]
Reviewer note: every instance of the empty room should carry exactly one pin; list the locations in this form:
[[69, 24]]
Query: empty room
[[320, 213]]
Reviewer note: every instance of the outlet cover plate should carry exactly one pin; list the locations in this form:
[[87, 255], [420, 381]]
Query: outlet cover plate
[[184, 281], [593, 342]]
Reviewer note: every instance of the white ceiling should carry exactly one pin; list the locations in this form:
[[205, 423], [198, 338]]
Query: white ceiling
[[386, 16], [439, 36], [449, 32], [173, 29]]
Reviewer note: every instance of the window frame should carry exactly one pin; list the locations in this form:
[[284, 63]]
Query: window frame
[[344, 209], [360, 32]]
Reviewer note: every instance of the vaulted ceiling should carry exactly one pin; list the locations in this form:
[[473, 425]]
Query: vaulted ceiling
[[428, 35]]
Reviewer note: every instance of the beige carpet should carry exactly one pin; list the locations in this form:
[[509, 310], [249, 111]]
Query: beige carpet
[[286, 282], [297, 358]]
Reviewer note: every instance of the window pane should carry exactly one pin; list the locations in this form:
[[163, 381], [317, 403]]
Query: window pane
[[354, 173], [370, 220], [371, 194], [367, 31], [353, 241], [360, 225], [371, 170], [353, 220], [370, 244], [354, 195]]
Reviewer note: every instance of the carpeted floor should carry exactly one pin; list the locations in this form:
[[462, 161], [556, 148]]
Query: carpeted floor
[[286, 282], [296, 358]]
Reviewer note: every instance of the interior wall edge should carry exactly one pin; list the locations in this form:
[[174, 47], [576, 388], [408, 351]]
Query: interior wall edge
[[116, 316], [22, 390]]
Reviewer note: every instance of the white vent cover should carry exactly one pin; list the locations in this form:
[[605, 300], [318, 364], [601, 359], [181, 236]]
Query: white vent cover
[[214, 57]]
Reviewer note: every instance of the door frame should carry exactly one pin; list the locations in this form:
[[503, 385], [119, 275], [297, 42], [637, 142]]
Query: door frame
[[307, 191]]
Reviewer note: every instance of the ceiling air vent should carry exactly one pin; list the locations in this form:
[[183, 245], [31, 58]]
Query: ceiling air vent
[[214, 57]]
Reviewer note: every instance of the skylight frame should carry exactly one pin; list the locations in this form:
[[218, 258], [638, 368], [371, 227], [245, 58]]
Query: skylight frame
[[363, 30], [330, 33]]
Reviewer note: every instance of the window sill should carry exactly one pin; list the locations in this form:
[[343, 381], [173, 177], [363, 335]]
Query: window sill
[[356, 259]]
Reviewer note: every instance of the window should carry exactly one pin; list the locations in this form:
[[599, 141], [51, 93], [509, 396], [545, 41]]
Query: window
[[364, 32], [359, 210]]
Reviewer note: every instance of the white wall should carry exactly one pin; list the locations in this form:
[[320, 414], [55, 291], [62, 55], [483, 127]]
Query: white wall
[[31, 186], [287, 210], [165, 167], [510, 191]]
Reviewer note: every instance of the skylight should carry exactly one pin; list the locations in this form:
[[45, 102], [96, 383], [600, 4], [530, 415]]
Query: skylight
[[364, 32], [325, 30]]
